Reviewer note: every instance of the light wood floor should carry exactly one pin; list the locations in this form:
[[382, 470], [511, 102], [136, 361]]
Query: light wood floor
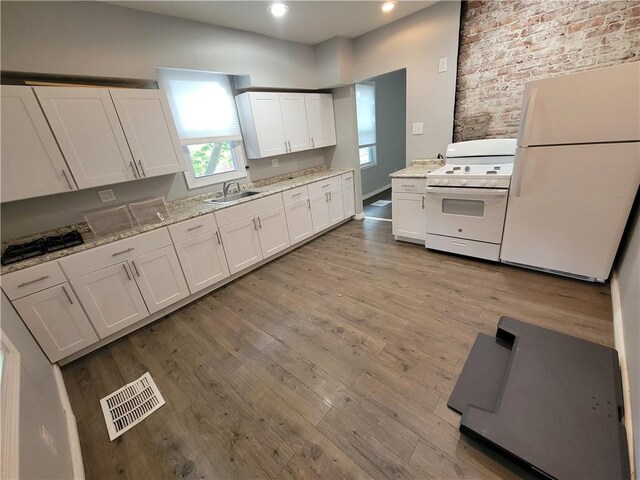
[[334, 361]]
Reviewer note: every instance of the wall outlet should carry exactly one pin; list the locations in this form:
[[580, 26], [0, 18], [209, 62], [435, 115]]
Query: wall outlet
[[274, 162], [107, 195], [442, 65], [417, 128]]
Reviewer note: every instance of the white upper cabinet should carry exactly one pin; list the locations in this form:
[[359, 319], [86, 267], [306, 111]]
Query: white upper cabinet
[[320, 119], [275, 123], [89, 133], [261, 121], [150, 130], [294, 119], [32, 164]]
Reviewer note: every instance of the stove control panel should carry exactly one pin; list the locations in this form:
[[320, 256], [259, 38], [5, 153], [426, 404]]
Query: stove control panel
[[469, 182]]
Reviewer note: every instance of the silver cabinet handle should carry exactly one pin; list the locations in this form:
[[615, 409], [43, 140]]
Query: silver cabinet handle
[[135, 268], [309, 203], [330, 197], [326, 197], [296, 194], [142, 168], [67, 295], [133, 168], [313, 145], [126, 271], [326, 185], [218, 237], [423, 202], [194, 228], [123, 251], [286, 149], [24, 284], [255, 226], [259, 223], [66, 179]]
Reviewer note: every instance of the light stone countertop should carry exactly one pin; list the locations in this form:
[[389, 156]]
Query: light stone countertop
[[179, 210], [419, 168]]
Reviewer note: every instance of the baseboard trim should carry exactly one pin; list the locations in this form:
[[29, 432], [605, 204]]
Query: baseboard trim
[[618, 336], [359, 216], [72, 428], [375, 192]]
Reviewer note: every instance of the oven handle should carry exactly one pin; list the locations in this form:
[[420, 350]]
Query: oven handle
[[476, 192]]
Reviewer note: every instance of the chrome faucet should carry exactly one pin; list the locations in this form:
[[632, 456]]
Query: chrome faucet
[[226, 185]]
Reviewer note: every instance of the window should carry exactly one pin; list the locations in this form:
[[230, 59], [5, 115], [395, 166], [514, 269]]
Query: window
[[366, 117], [206, 118]]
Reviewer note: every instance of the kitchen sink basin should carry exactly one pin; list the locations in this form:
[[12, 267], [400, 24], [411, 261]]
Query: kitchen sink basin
[[231, 198]]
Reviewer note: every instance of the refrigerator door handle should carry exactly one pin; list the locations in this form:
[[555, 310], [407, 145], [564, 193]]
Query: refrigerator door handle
[[519, 163], [527, 122]]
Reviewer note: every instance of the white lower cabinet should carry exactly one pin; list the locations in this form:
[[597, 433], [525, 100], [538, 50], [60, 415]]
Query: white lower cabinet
[[408, 215], [320, 211], [203, 260], [299, 220], [242, 244], [111, 298], [56, 319], [273, 232], [327, 206], [348, 195], [336, 206], [160, 278]]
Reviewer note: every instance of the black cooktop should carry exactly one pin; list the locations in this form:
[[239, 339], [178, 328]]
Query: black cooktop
[[40, 246]]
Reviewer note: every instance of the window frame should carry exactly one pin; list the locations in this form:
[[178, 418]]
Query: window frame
[[237, 151], [372, 149]]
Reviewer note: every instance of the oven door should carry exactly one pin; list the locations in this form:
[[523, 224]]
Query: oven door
[[470, 213]]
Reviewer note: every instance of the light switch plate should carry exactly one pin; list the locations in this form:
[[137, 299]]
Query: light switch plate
[[417, 128], [274, 162], [107, 195], [442, 65]]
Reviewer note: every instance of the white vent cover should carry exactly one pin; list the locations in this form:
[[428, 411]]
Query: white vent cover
[[131, 404]]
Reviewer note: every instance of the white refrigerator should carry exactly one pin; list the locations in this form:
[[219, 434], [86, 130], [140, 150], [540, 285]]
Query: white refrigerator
[[576, 172]]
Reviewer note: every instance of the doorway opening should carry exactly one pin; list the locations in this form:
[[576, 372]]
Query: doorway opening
[[381, 108]]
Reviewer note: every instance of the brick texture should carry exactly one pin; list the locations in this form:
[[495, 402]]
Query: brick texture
[[504, 44]]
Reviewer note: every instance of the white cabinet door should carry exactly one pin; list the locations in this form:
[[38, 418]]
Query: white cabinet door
[[294, 118], [203, 260], [111, 298], [32, 164], [242, 244], [299, 220], [408, 215], [320, 211], [267, 119], [320, 119], [150, 130], [160, 278], [273, 233], [336, 205], [86, 125], [348, 196], [56, 320]]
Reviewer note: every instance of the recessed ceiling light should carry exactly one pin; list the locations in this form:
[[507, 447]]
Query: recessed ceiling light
[[388, 6], [278, 9]]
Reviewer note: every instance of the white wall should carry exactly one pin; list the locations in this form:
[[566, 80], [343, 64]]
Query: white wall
[[628, 273], [94, 38], [334, 62], [39, 405], [391, 113], [416, 43]]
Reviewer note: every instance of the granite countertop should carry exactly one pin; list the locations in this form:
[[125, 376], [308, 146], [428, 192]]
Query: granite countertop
[[179, 210], [419, 168]]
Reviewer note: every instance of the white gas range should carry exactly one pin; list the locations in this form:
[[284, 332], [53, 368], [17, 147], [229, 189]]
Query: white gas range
[[467, 198]]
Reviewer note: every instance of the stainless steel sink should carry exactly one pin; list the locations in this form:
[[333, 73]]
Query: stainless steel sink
[[231, 198]]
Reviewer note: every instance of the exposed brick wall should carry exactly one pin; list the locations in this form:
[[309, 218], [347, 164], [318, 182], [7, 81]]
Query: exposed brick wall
[[503, 44]]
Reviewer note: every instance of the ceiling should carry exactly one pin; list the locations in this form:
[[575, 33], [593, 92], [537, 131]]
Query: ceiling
[[309, 22]]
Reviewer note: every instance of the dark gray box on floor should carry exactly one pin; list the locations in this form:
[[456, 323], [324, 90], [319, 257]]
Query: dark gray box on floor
[[551, 401]]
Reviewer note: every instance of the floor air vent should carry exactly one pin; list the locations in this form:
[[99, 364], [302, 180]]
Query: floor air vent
[[130, 405]]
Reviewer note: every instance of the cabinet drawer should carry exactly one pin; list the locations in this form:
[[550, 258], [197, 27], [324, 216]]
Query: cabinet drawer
[[326, 185], [347, 177], [409, 185], [248, 209], [101, 257], [30, 280], [191, 228], [295, 194]]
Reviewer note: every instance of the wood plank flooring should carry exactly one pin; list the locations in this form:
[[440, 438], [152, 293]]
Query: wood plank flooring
[[335, 361]]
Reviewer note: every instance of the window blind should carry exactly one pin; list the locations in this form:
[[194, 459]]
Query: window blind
[[202, 104], [366, 114]]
